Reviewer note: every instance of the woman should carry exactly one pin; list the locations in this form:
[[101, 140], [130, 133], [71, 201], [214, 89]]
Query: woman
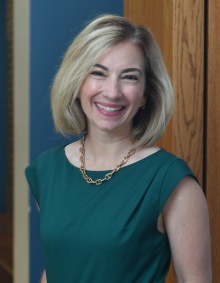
[[113, 206]]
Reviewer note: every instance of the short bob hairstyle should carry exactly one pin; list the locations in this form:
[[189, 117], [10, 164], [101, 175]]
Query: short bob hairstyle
[[84, 52]]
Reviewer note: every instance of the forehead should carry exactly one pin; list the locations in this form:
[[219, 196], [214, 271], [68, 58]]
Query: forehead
[[125, 53]]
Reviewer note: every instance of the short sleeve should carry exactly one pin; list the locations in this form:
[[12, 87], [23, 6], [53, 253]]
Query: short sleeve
[[31, 175], [177, 170]]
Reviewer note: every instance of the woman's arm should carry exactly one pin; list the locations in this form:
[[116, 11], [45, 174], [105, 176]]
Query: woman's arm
[[187, 224], [43, 278]]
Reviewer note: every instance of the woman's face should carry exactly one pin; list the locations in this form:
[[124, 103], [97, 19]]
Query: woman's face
[[113, 91]]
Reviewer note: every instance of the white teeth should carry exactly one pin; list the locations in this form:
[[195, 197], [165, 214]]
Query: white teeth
[[108, 109]]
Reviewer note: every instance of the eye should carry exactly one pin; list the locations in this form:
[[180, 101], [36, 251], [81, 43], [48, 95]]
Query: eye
[[130, 77], [97, 74]]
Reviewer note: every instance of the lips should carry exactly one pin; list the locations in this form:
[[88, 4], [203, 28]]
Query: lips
[[108, 108]]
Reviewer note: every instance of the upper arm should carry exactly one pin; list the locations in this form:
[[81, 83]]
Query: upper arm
[[186, 220], [43, 278]]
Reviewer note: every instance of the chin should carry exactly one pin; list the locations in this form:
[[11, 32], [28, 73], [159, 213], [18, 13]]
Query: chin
[[113, 128]]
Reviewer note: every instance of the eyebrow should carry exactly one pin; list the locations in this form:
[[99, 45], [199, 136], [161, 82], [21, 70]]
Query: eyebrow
[[101, 67], [128, 70]]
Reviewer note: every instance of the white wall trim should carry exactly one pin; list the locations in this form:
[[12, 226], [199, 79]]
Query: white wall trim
[[21, 139]]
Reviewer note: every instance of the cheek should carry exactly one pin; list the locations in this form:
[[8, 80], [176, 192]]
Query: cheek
[[84, 93], [137, 97], [89, 88]]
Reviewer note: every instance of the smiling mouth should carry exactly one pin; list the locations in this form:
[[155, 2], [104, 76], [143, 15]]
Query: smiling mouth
[[109, 109]]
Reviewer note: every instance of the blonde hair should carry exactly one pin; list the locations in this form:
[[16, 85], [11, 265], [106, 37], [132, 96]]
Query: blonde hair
[[84, 52]]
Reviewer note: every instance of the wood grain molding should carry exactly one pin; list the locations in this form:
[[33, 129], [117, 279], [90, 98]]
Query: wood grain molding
[[188, 80]]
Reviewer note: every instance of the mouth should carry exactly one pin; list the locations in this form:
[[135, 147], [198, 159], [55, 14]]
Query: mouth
[[109, 109]]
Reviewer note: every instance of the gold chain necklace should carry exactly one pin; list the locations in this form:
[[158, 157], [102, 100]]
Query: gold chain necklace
[[108, 175]]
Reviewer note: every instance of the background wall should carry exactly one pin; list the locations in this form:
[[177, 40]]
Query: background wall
[[53, 25]]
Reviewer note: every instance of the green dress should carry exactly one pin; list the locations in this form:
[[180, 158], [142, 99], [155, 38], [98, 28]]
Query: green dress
[[106, 233]]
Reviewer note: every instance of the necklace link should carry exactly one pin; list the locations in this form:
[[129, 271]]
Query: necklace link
[[108, 175]]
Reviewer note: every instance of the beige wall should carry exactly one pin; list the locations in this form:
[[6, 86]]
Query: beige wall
[[21, 140]]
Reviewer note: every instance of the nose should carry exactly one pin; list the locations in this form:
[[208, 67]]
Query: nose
[[112, 88]]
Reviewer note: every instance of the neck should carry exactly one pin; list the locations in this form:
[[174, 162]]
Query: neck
[[104, 152], [107, 176]]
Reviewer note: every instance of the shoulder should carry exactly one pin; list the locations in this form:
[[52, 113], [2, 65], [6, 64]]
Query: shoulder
[[154, 151], [172, 170], [168, 166], [175, 165], [50, 154], [46, 159], [38, 171], [168, 162]]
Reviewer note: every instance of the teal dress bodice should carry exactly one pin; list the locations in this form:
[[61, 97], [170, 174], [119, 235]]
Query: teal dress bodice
[[106, 233]]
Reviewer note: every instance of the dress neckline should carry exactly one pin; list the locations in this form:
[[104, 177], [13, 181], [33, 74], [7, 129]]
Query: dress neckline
[[146, 158]]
